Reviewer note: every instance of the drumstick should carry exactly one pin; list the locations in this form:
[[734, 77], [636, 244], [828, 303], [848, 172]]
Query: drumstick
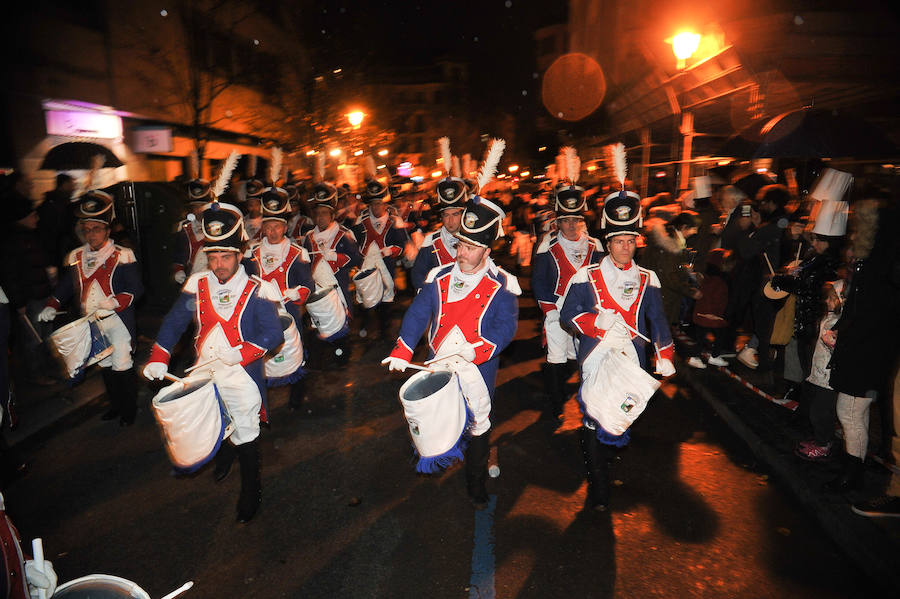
[[633, 330], [419, 367], [436, 358], [179, 590], [799, 247], [173, 378], [207, 363], [37, 553], [771, 270], [31, 328]]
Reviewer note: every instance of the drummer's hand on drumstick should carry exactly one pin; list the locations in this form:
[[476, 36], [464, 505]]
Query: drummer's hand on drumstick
[[108, 303], [47, 314], [395, 364], [40, 577], [606, 319], [155, 371], [292, 294], [329, 255], [231, 356]]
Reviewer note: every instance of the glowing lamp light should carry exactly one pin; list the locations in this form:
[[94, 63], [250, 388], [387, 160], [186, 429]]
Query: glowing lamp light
[[513, 168], [591, 168], [723, 162], [335, 152], [542, 149], [311, 152], [358, 153], [355, 118], [382, 152], [524, 174], [381, 166], [684, 44], [762, 169], [436, 174], [660, 174]]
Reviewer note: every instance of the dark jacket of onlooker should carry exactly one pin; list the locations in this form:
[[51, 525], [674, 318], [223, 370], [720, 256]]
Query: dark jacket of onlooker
[[24, 267], [665, 256], [709, 311]]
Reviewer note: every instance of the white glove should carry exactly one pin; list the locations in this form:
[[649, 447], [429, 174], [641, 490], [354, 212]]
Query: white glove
[[155, 371], [108, 303], [180, 277], [398, 364], [292, 294], [387, 252], [231, 356], [664, 367], [454, 361], [467, 353], [47, 314], [606, 319], [551, 317], [329, 255], [40, 578]]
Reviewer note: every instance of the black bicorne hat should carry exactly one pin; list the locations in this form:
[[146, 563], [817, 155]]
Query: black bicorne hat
[[223, 228], [275, 204], [254, 188], [481, 223], [621, 214], [293, 193], [374, 191], [569, 201], [96, 206], [452, 192], [323, 194], [199, 191]]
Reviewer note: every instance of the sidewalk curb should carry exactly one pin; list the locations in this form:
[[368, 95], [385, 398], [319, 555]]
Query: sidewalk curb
[[854, 534]]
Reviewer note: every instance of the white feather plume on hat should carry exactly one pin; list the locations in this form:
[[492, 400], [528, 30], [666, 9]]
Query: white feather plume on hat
[[320, 166], [224, 177], [277, 157], [619, 162], [573, 164], [489, 168], [370, 170], [446, 158]]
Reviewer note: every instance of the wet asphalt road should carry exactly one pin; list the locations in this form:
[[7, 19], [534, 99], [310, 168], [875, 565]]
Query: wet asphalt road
[[345, 515]]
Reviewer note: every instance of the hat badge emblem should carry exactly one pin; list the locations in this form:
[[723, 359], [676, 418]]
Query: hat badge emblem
[[272, 204], [449, 193], [90, 205], [321, 194], [571, 202], [470, 219], [623, 212], [215, 227]]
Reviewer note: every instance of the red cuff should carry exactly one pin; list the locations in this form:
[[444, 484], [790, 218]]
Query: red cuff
[[401, 351], [586, 323], [159, 354], [304, 294], [395, 251], [667, 352], [340, 262], [547, 307], [53, 303], [124, 300], [250, 353]]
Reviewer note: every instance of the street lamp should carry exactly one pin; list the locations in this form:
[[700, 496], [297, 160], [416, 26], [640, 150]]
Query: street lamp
[[513, 168], [335, 153], [382, 152], [684, 44], [355, 118]]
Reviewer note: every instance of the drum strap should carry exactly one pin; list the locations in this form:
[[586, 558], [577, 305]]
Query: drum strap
[[209, 318], [605, 299], [373, 236], [103, 276]]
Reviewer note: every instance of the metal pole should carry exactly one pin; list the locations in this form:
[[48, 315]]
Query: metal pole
[[687, 131]]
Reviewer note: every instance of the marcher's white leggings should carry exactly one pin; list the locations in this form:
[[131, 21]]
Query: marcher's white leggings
[[853, 412]]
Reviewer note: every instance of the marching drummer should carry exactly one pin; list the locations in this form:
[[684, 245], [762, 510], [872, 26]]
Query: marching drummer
[[615, 305], [236, 326], [284, 263], [439, 247], [299, 223], [189, 256], [558, 258], [334, 252], [105, 279], [381, 243], [470, 312]]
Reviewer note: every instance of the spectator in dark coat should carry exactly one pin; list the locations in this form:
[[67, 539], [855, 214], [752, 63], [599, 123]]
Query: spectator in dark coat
[[57, 221], [709, 311], [666, 254]]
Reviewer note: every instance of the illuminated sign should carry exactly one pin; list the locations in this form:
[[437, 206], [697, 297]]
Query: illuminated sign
[[404, 169], [152, 140], [83, 124]]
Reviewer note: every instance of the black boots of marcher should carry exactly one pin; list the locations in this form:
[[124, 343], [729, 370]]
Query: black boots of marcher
[[224, 459], [298, 395], [121, 388], [555, 376], [251, 485], [850, 478], [596, 456], [476, 470]]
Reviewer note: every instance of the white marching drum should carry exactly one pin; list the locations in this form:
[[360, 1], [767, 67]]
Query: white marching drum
[[435, 410], [100, 586], [616, 391], [327, 311], [194, 422], [281, 367], [80, 344], [369, 287]]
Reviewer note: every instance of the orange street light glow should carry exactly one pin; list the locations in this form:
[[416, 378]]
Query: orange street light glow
[[355, 118], [335, 152], [684, 44], [436, 174], [524, 174], [591, 168], [311, 152], [513, 168], [382, 152], [358, 153]]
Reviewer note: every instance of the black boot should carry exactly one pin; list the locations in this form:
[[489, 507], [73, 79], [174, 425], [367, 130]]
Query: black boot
[[595, 461], [224, 459], [476, 470], [109, 381], [553, 385], [298, 395], [850, 478], [383, 312], [125, 385], [561, 378], [251, 486]]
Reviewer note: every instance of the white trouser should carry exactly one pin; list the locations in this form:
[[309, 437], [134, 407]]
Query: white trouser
[[477, 396], [560, 343], [853, 412], [120, 339]]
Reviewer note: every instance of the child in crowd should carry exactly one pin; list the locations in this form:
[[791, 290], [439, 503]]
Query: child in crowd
[[816, 389], [709, 311]]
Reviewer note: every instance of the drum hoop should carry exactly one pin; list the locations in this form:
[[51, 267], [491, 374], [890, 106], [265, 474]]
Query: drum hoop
[[71, 325], [320, 295], [132, 587]]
